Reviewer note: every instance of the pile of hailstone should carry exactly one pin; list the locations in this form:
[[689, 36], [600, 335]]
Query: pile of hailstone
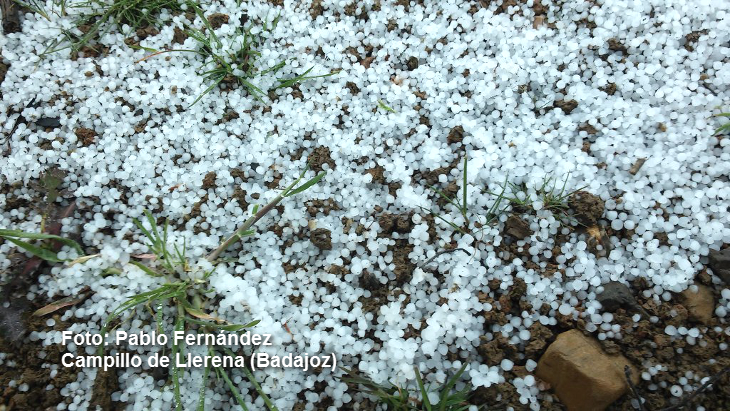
[[489, 69]]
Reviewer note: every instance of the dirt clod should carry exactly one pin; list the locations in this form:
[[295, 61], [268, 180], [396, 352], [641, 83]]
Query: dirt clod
[[615, 45], [516, 227], [217, 20], [456, 135], [616, 295], [316, 9], [209, 180], [319, 157], [587, 208], [86, 136], [566, 105], [321, 238], [179, 36]]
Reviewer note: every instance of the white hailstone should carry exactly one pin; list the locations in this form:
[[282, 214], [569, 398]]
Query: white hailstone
[[506, 365], [676, 390]]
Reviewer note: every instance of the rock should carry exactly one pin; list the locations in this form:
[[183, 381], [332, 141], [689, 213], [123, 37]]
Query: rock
[[720, 264], [516, 227], [321, 238], [412, 63], [588, 208], [51, 122], [583, 376], [700, 305], [616, 295]]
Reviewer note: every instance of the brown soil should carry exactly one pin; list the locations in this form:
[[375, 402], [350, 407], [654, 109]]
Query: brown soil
[[86, 136], [217, 20], [320, 156], [321, 238], [587, 208]]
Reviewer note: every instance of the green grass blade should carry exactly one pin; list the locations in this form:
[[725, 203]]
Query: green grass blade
[[449, 385], [232, 387], [385, 107], [270, 405], [306, 185], [203, 386], [42, 236], [43, 253], [176, 349], [463, 187], [424, 392], [252, 379], [445, 197], [723, 128], [146, 269]]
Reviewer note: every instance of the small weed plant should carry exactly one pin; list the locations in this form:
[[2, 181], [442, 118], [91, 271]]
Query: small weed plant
[[725, 128], [397, 398], [238, 63], [478, 220], [551, 197], [94, 18], [182, 287]]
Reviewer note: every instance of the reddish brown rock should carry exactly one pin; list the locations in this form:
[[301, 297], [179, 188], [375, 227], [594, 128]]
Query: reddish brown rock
[[583, 376], [700, 305]]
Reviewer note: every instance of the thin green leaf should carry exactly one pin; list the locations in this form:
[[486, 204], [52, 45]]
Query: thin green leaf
[[43, 253], [252, 379], [203, 386], [385, 107], [146, 269], [232, 387], [463, 211], [424, 392], [306, 185], [42, 236], [450, 384], [179, 326]]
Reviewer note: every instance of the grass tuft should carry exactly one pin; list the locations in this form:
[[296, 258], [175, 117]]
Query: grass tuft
[[480, 220], [181, 290], [96, 17], [397, 398]]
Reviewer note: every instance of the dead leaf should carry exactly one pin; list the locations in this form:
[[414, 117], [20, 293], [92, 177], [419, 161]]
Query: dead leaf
[[145, 256], [201, 315], [62, 303]]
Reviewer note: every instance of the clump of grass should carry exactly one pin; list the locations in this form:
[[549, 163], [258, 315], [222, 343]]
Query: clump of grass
[[479, 220], [725, 128], [553, 199], [397, 398], [239, 63], [183, 287], [97, 17]]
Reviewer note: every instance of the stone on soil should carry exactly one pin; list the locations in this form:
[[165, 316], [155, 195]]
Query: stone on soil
[[583, 376], [700, 305], [720, 264]]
